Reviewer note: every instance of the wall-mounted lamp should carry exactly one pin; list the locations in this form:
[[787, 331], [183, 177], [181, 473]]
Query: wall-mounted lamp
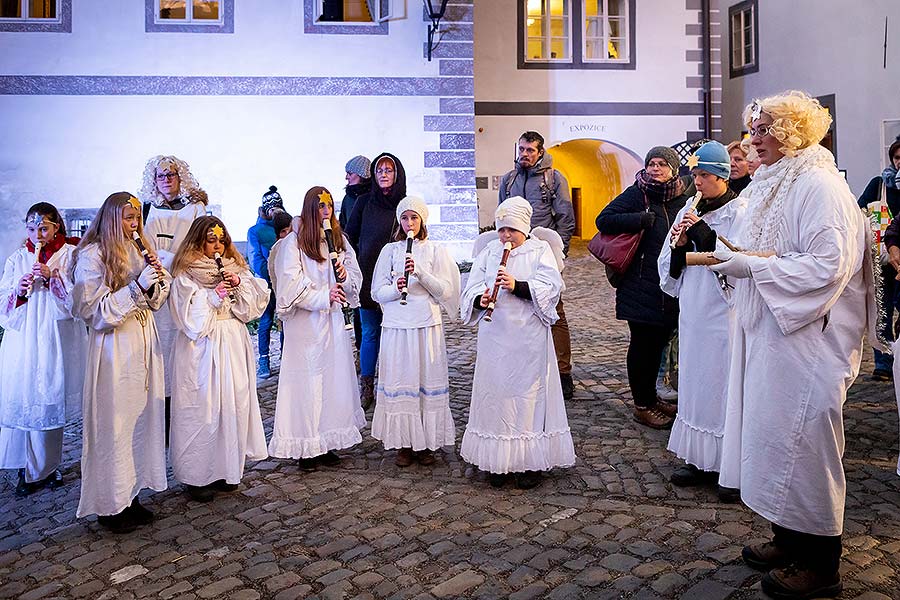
[[435, 16]]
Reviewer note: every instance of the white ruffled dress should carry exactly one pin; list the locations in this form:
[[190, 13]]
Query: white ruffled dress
[[413, 404], [517, 419]]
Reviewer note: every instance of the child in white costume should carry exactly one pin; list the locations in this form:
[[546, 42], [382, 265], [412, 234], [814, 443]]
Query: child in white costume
[[318, 409], [116, 292], [517, 420], [42, 353], [412, 411], [216, 423]]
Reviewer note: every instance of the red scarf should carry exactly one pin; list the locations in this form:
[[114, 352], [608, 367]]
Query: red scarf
[[47, 250]]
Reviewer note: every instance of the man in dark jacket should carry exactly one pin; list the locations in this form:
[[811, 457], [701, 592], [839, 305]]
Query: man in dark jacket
[[545, 188]]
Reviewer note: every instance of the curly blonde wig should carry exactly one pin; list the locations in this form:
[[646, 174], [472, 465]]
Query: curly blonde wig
[[189, 188], [798, 120]]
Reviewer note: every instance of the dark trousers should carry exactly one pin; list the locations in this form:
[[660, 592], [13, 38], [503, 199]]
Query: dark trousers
[[885, 362], [644, 354], [820, 553], [265, 326], [562, 342]]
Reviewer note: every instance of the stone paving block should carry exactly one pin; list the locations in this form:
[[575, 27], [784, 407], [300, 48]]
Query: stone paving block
[[458, 584], [707, 590], [219, 588]]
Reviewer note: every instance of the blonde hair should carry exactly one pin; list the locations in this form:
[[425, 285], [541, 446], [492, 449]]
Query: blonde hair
[[192, 247], [736, 145], [188, 186], [798, 120], [106, 231]]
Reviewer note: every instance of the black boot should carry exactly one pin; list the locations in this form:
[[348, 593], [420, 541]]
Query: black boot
[[138, 513], [201, 493], [528, 480], [568, 385], [23, 488], [120, 523]]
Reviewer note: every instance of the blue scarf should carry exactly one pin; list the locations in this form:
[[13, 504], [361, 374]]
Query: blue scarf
[[889, 175]]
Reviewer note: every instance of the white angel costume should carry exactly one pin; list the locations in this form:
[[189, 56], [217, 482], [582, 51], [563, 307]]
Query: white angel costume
[[124, 403], [704, 347], [166, 229], [800, 319], [318, 407], [216, 421], [413, 402], [41, 364], [517, 419]]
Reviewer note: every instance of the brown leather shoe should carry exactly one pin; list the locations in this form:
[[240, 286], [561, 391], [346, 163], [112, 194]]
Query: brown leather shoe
[[795, 582], [670, 409], [652, 418], [425, 457], [404, 457], [764, 557], [367, 391]]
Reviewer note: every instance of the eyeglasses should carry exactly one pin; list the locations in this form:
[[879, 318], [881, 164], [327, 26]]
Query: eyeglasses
[[384, 171], [657, 165], [164, 176], [761, 131]]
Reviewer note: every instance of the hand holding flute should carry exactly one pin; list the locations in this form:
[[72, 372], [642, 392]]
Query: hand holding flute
[[503, 280], [337, 293], [150, 258], [37, 270], [679, 232], [230, 280], [409, 268]]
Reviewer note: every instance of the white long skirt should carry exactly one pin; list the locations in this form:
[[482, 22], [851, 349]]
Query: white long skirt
[[413, 404], [38, 452], [318, 407], [216, 423]]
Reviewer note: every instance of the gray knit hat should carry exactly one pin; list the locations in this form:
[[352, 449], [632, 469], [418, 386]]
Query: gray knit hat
[[359, 165], [665, 153]]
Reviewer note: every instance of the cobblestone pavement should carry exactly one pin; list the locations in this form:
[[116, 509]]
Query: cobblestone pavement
[[611, 527]]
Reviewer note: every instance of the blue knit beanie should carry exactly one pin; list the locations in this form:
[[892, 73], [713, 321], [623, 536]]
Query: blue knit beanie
[[713, 158]]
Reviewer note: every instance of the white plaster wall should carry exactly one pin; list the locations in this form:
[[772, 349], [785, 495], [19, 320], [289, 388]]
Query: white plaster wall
[[108, 38], [495, 140], [826, 48], [659, 75]]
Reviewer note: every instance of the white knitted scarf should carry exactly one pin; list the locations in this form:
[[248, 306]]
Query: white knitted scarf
[[770, 190], [205, 271]]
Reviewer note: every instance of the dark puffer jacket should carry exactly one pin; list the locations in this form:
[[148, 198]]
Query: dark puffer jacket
[[638, 297], [372, 224]]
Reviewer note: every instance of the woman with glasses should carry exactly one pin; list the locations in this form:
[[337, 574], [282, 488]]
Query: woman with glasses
[[800, 300], [651, 205], [370, 228], [172, 201]]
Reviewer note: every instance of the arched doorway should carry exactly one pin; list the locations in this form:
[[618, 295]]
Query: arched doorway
[[597, 172]]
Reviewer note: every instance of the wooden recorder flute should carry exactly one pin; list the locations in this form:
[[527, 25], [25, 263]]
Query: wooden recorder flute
[[332, 253], [406, 274], [694, 203], [489, 313], [140, 244], [221, 268], [37, 261]]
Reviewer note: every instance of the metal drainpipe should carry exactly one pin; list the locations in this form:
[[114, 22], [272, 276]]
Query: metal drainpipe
[[706, 35]]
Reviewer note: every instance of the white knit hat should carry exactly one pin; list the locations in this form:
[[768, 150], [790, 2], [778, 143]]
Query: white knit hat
[[415, 204], [515, 213]]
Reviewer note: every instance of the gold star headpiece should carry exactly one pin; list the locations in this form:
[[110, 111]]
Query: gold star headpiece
[[217, 231], [692, 161], [135, 203], [325, 197]]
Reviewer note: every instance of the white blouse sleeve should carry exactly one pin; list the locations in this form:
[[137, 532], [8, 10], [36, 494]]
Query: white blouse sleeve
[[100, 307], [545, 285], [193, 307], [474, 287], [11, 316], [442, 280], [251, 297], [384, 284], [295, 290], [354, 274]]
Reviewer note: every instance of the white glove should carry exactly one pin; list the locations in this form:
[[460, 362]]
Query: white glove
[[148, 277], [735, 264]]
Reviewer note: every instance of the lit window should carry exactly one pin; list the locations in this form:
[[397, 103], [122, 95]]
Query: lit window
[[548, 28], [347, 11], [742, 30], [30, 10], [347, 17], [197, 12], [606, 30]]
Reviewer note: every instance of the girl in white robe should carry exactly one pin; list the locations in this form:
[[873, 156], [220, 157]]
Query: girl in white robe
[[412, 411], [318, 409], [42, 353], [115, 293], [704, 322], [216, 422], [517, 419]]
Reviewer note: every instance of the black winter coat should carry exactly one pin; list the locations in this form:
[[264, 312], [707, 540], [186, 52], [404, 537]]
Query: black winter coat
[[638, 297], [372, 224]]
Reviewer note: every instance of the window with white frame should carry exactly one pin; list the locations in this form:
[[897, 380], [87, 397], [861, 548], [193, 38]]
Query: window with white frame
[[548, 26], [30, 10], [605, 30], [576, 34], [362, 12], [194, 12], [744, 36]]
